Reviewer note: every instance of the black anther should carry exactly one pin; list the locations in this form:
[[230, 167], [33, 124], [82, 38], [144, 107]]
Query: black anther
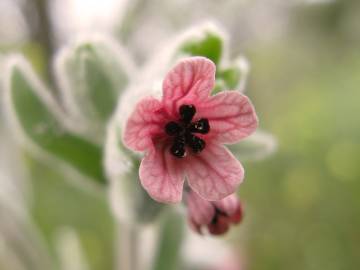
[[172, 128], [195, 143], [182, 132], [187, 112], [178, 147], [201, 126]]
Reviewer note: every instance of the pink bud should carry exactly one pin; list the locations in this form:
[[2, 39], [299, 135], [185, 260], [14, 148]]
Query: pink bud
[[213, 216], [219, 226]]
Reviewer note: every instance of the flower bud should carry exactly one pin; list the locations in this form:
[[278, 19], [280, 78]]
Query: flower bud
[[215, 217]]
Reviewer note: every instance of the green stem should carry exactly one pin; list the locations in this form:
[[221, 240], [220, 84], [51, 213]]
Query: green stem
[[170, 240], [41, 33]]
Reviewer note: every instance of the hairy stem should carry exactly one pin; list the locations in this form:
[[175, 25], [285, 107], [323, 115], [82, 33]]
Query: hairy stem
[[40, 29]]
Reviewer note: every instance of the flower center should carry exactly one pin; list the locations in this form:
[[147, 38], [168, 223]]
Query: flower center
[[183, 132]]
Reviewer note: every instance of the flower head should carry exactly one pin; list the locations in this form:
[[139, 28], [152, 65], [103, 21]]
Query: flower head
[[215, 216], [183, 134]]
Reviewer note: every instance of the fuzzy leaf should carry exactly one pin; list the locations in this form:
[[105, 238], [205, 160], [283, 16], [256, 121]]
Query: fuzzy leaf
[[255, 147], [35, 115], [91, 74], [209, 45], [231, 76], [234, 76]]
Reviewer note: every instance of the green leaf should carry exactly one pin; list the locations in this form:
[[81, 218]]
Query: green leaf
[[219, 86], [231, 76], [209, 45], [258, 146], [169, 247], [209, 41], [234, 76], [37, 116], [91, 74], [56, 203]]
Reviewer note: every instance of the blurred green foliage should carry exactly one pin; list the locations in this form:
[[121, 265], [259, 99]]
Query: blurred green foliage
[[45, 130], [210, 46], [303, 205], [63, 201], [168, 255]]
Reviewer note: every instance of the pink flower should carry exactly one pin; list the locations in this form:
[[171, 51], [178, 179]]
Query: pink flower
[[182, 134], [215, 216]]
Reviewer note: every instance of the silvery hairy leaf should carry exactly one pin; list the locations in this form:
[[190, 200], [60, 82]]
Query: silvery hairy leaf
[[42, 126], [91, 73]]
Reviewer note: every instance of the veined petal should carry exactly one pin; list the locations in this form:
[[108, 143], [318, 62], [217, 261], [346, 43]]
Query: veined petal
[[161, 175], [214, 173], [231, 116], [189, 81], [145, 122]]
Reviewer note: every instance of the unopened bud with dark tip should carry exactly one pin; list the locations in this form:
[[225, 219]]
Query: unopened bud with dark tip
[[187, 112], [219, 226], [238, 215], [215, 217]]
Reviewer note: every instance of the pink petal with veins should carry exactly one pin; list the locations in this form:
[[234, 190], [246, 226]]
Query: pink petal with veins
[[161, 175], [231, 116], [214, 173], [144, 123], [190, 81]]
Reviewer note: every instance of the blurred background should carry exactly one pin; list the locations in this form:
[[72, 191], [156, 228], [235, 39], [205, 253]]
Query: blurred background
[[302, 203]]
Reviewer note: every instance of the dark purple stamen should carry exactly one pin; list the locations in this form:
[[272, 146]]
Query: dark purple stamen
[[183, 130], [173, 128], [196, 144], [187, 113], [201, 126], [178, 147]]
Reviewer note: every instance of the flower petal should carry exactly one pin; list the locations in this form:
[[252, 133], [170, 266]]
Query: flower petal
[[201, 211], [231, 116], [214, 173], [194, 226], [237, 217], [161, 175], [143, 124], [189, 81]]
